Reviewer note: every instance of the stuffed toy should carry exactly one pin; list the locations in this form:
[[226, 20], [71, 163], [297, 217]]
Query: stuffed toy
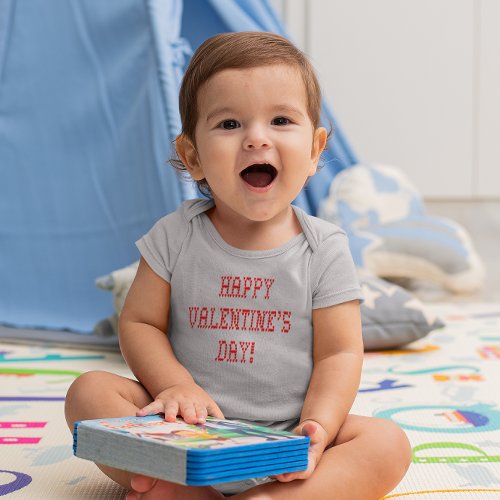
[[118, 282]]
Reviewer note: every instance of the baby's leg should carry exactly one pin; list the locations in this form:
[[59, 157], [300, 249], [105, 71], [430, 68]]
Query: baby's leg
[[105, 395], [369, 458]]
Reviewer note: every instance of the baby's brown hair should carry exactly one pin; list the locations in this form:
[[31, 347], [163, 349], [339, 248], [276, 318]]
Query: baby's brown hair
[[240, 50]]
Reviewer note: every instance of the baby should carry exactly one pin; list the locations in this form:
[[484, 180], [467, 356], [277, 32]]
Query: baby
[[245, 307]]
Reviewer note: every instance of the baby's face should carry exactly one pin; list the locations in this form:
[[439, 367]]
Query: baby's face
[[256, 145]]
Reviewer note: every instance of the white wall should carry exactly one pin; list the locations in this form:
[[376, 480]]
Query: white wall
[[415, 83], [488, 99]]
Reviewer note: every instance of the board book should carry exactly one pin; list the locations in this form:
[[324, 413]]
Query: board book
[[194, 454]]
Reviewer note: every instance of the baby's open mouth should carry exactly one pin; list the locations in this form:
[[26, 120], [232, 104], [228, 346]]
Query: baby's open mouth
[[259, 175]]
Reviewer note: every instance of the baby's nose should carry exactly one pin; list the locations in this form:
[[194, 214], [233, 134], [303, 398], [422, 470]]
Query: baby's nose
[[256, 139]]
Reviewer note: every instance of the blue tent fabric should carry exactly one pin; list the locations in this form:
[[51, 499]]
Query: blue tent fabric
[[88, 113]]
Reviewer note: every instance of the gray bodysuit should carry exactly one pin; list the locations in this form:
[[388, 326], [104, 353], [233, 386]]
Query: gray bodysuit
[[240, 321]]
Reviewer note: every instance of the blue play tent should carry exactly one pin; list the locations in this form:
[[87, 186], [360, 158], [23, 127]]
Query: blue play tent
[[88, 111]]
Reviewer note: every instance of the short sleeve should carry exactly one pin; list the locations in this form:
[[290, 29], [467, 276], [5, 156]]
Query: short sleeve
[[161, 246], [333, 275]]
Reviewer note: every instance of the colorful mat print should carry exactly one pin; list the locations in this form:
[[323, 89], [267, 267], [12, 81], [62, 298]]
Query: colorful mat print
[[443, 390]]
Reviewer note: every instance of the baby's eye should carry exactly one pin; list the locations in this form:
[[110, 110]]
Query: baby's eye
[[229, 124], [281, 120]]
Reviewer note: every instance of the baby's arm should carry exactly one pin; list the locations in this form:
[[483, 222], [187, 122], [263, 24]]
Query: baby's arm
[[147, 350], [338, 357]]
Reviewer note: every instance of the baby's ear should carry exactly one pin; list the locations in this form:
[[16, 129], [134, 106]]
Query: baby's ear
[[318, 145], [187, 153]]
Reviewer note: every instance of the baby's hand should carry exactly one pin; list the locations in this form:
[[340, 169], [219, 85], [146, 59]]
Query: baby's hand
[[188, 400], [318, 443]]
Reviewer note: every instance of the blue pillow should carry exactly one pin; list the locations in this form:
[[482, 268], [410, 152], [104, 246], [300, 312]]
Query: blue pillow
[[390, 234]]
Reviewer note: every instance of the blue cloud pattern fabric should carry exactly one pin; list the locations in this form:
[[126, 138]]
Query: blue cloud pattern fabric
[[391, 235]]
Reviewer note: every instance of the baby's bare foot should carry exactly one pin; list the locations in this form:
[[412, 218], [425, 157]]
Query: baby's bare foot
[[148, 488]]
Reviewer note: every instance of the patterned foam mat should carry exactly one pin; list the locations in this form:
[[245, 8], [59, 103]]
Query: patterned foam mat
[[443, 390]]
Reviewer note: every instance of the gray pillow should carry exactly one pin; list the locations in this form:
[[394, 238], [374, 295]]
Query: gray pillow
[[392, 316]]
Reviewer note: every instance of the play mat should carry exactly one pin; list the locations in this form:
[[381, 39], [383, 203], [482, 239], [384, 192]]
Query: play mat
[[443, 390]]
